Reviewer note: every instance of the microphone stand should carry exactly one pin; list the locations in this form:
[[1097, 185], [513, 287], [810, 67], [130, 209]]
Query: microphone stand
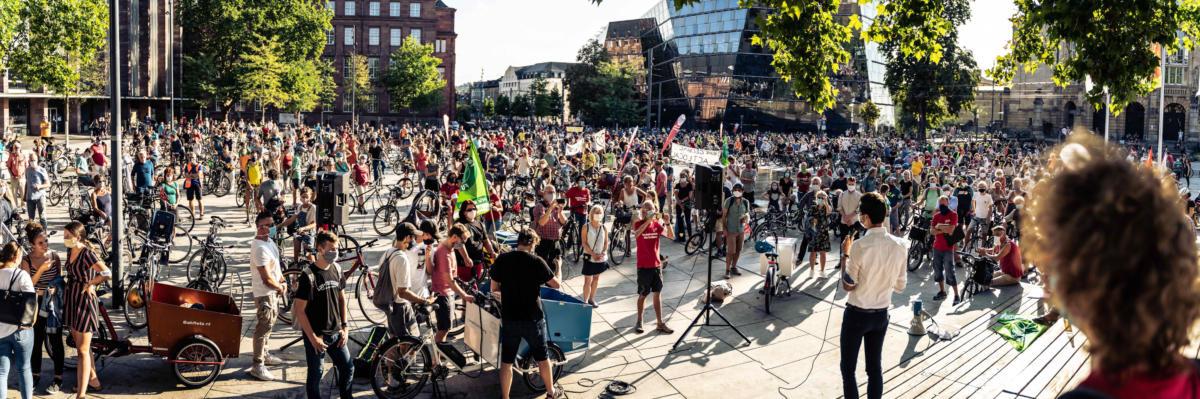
[[710, 224]]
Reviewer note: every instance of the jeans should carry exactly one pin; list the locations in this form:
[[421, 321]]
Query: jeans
[[860, 327], [683, 221], [316, 365], [943, 264], [377, 168], [16, 349], [35, 210]]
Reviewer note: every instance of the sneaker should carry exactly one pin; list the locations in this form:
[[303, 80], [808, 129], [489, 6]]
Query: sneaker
[[55, 387], [260, 372], [736, 272], [957, 300], [637, 328], [593, 303], [662, 328], [272, 360], [940, 296], [440, 372]]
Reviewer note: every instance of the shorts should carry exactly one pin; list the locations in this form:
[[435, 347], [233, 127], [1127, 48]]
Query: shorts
[[548, 251], [193, 192], [442, 314], [594, 268], [845, 230], [512, 332], [402, 321], [649, 280]]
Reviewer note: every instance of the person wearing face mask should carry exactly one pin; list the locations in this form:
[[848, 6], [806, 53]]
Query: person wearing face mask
[[847, 205], [578, 198], [1007, 254], [320, 312], [474, 251], [266, 283], [549, 220], [945, 221], [401, 319], [84, 272], [735, 213], [594, 237], [442, 283]]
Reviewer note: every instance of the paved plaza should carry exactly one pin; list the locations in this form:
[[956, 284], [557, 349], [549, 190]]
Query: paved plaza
[[792, 352]]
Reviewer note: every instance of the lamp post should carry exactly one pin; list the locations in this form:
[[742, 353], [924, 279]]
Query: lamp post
[[115, 175]]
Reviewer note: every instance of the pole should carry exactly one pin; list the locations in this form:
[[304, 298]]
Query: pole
[[1162, 94], [1107, 106], [114, 102], [650, 88], [170, 63]]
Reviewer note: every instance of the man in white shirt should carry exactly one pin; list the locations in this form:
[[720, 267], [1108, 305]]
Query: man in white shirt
[[848, 207], [982, 204], [267, 285], [402, 321], [875, 270]]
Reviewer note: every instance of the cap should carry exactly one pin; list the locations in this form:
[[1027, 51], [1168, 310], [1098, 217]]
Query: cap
[[737, 186]]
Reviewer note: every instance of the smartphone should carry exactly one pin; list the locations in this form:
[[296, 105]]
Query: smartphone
[[561, 201]]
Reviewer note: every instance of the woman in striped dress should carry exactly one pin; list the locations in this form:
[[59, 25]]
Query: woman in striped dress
[[84, 271]]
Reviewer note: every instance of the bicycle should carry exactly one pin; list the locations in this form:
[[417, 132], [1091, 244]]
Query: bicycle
[[364, 287], [387, 215], [775, 283], [141, 283], [405, 364], [207, 267], [921, 243], [621, 237]]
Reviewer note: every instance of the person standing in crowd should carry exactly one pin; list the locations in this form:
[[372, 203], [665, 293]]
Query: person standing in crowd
[[594, 237], [943, 226], [441, 281], [252, 169], [817, 232], [736, 213], [1127, 278], [84, 272], [46, 267], [320, 312], [268, 288], [16, 173], [684, 203], [402, 270], [517, 278], [578, 197], [875, 270], [143, 174], [16, 342], [548, 217], [748, 176], [193, 174], [847, 206], [471, 255], [37, 180], [304, 221], [648, 229]]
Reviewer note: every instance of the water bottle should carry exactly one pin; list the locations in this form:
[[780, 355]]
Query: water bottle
[[916, 306]]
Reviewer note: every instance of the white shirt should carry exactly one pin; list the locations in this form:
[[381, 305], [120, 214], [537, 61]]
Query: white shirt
[[23, 283], [418, 280], [264, 254], [399, 270], [983, 205], [877, 266]]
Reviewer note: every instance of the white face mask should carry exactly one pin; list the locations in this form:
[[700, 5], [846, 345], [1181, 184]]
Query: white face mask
[[71, 242], [470, 214], [737, 194], [852, 187]]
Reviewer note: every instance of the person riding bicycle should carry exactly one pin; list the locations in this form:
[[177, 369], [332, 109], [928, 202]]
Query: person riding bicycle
[[268, 197], [578, 197], [302, 223]]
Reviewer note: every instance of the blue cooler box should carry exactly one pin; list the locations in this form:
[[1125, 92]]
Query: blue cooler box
[[568, 319]]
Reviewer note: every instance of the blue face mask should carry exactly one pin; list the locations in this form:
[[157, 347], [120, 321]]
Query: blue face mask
[[271, 232]]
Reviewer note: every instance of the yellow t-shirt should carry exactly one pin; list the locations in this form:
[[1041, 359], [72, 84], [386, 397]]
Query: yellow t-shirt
[[917, 166], [254, 173], [589, 160]]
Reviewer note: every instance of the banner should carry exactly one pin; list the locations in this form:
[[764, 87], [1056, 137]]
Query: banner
[[674, 130], [446, 125], [574, 129], [474, 184], [683, 153], [575, 148], [598, 141]]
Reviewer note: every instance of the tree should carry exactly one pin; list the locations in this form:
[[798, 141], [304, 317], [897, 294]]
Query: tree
[[61, 41], [601, 91], [356, 85], [462, 112], [540, 97], [869, 113], [556, 103], [504, 106], [221, 31], [930, 90], [521, 106], [489, 108], [581, 79], [301, 84], [11, 23], [261, 77], [1110, 42], [327, 91], [412, 75]]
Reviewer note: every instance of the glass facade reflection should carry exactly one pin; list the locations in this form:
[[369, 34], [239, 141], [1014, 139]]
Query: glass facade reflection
[[705, 67]]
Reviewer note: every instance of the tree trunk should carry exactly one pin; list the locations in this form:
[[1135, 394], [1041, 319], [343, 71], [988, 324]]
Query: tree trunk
[[67, 126]]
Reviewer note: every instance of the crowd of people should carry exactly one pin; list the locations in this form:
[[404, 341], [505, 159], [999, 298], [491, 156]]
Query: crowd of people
[[621, 194]]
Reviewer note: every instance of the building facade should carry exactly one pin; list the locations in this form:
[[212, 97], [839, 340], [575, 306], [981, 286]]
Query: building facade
[[701, 64], [374, 28], [146, 87], [519, 81], [1035, 104]]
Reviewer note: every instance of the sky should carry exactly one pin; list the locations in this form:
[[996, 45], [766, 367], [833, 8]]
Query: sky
[[494, 34]]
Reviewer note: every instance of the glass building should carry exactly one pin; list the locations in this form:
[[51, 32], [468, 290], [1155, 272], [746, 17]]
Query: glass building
[[703, 66]]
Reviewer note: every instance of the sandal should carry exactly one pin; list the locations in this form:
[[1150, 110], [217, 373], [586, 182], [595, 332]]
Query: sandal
[[638, 328], [662, 328]]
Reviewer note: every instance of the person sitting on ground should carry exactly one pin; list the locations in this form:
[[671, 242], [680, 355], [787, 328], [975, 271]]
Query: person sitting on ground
[[1127, 277], [1008, 254]]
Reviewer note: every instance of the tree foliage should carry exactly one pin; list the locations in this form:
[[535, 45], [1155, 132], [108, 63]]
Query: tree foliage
[[555, 101], [1109, 41], [60, 40], [504, 106], [11, 24], [869, 113], [521, 105], [489, 108], [356, 82], [261, 75], [601, 92], [412, 78]]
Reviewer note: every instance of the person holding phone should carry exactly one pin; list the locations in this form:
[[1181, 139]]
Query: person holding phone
[[549, 220], [648, 230]]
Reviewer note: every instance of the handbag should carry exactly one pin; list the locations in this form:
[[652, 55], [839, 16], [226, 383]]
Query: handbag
[[16, 307]]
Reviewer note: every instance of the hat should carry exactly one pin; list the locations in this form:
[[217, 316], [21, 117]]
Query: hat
[[737, 186]]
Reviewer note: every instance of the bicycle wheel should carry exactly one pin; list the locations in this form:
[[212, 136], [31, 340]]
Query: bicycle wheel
[[56, 194], [768, 289], [385, 220], [401, 369], [135, 311], [291, 279], [184, 219], [406, 187], [222, 186], [364, 290], [181, 247], [620, 247], [695, 243], [916, 256], [197, 362], [533, 378], [347, 246]]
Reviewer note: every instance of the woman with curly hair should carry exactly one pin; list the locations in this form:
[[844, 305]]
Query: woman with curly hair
[[1120, 259]]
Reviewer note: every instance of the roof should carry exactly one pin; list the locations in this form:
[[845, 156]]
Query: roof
[[545, 67], [441, 4], [629, 28]]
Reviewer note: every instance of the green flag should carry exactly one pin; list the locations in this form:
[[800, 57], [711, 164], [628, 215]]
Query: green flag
[[474, 185], [724, 152]]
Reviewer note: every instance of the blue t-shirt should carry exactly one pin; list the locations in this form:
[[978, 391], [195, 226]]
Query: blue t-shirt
[[143, 174]]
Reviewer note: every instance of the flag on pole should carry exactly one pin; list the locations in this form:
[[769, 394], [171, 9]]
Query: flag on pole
[[474, 184], [446, 125], [724, 152], [674, 130], [628, 146]]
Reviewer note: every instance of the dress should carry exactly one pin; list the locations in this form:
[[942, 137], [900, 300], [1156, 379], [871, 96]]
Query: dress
[[81, 308], [820, 240]]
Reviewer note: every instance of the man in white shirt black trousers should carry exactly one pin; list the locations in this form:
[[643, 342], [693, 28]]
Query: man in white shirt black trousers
[[876, 268]]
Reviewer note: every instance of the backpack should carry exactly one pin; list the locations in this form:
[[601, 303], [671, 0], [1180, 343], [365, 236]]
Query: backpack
[[384, 284]]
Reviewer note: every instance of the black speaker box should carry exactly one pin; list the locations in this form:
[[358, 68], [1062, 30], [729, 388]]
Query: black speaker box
[[162, 228], [708, 187], [333, 192]]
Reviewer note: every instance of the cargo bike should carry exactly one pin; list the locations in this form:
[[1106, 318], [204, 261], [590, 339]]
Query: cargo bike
[[194, 330], [403, 366]]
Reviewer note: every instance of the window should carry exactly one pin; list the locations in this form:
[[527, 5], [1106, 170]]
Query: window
[[348, 36], [329, 6], [415, 34], [373, 36], [373, 8], [1175, 74], [439, 46], [397, 36], [348, 8], [373, 66], [370, 104], [394, 9], [441, 72], [347, 104], [329, 38], [346, 67], [414, 10]]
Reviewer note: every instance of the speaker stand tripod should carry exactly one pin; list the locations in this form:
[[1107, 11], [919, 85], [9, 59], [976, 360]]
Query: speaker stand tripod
[[709, 309]]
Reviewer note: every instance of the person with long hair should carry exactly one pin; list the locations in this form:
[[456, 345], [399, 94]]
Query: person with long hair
[[46, 267], [1121, 264], [84, 271], [16, 342]]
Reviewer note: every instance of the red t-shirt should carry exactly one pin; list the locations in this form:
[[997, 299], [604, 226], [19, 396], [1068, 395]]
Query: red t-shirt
[[577, 199], [496, 210], [1011, 264], [647, 245], [449, 189], [939, 240], [1182, 385], [803, 180]]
